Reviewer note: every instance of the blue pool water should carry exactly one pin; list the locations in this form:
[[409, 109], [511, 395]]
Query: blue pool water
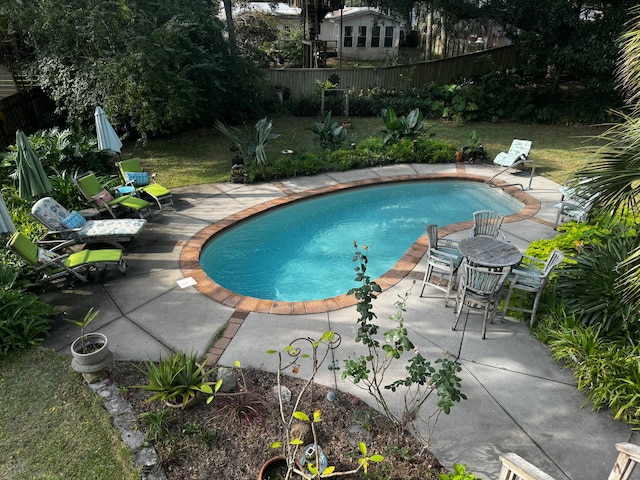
[[304, 251]]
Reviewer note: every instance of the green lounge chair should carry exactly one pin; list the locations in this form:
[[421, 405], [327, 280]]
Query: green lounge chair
[[132, 174], [51, 265], [102, 198]]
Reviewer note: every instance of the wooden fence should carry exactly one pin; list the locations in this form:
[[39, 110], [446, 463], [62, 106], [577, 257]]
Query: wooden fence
[[302, 82], [26, 110]]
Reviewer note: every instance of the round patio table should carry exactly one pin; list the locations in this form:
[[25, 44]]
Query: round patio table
[[489, 252]]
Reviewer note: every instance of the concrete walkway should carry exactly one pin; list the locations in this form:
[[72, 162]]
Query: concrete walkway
[[519, 399]]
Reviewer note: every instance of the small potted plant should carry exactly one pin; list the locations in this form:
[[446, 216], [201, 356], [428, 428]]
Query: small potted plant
[[90, 351], [179, 381]]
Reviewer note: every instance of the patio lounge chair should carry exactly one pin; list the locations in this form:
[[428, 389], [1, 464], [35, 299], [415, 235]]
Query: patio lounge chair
[[68, 228], [516, 158], [102, 198], [51, 265], [132, 174], [478, 290]]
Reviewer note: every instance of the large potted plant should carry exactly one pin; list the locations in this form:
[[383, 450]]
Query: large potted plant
[[179, 381], [90, 351]]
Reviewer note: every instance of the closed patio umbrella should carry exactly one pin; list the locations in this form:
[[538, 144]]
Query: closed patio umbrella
[[107, 137], [6, 225], [32, 179]]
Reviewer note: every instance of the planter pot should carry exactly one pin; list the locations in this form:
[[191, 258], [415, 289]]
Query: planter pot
[[346, 123], [95, 357], [274, 469]]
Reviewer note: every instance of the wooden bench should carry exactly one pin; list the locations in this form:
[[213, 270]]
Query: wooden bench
[[514, 467], [627, 459]]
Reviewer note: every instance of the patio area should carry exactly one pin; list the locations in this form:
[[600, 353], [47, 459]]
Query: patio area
[[519, 399]]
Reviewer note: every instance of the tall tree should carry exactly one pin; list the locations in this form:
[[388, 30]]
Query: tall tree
[[155, 65]]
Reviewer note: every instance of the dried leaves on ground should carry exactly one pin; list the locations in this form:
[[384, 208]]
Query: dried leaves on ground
[[230, 437]]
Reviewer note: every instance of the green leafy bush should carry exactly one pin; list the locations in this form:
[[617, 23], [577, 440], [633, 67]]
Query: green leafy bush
[[459, 473], [61, 150], [398, 127], [598, 263], [331, 135], [24, 319], [606, 369]]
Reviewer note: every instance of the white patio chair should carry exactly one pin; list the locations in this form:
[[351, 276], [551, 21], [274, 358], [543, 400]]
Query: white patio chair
[[478, 290], [446, 245], [488, 223], [530, 278], [441, 271]]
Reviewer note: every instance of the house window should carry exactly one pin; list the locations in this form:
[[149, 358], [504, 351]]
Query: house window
[[348, 36], [388, 37], [362, 36], [375, 37]]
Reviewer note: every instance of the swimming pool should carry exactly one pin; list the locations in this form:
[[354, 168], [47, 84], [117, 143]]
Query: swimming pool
[[303, 251]]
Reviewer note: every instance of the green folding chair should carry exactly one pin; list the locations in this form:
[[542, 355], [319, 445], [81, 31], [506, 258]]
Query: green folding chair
[[134, 175], [99, 196], [51, 265]]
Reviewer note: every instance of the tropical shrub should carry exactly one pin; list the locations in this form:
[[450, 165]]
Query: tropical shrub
[[249, 144], [65, 149], [606, 369], [24, 319], [599, 263], [331, 135], [410, 126]]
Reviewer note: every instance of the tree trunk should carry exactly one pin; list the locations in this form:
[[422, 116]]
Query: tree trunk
[[228, 10], [428, 53]]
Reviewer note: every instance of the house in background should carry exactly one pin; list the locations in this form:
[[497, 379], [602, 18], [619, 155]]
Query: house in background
[[286, 16], [367, 34]]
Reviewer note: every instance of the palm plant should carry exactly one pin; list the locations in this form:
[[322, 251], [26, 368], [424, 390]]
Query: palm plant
[[612, 178], [249, 144]]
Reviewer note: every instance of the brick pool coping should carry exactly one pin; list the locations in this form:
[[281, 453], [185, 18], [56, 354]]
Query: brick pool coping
[[190, 256]]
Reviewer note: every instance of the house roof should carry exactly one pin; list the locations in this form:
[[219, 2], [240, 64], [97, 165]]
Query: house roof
[[282, 9], [352, 12]]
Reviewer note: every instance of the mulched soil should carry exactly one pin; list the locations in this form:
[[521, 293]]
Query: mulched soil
[[230, 437]]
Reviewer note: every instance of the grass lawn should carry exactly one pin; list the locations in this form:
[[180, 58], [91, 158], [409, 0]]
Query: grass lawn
[[202, 156], [52, 426]]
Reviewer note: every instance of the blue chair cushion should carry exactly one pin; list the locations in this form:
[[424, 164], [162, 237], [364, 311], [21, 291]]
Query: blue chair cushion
[[73, 220], [139, 179]]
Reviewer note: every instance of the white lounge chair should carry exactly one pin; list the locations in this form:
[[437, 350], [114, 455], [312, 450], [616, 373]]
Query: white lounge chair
[[516, 158], [68, 228]]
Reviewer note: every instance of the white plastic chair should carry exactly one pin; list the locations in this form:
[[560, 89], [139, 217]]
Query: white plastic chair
[[531, 278], [516, 158]]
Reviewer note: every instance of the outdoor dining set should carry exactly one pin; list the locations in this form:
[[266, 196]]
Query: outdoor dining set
[[485, 268]]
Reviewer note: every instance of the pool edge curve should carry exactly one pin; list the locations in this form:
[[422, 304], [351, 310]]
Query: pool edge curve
[[190, 255]]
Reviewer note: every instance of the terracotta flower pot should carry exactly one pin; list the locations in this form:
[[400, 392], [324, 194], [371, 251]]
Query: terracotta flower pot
[[274, 469]]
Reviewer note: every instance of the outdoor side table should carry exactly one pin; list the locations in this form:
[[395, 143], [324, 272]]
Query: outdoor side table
[[489, 252]]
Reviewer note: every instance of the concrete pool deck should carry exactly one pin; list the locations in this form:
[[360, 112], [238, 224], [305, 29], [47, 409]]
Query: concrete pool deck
[[519, 399]]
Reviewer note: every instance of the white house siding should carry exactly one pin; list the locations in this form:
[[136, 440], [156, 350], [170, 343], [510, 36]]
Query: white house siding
[[360, 20]]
